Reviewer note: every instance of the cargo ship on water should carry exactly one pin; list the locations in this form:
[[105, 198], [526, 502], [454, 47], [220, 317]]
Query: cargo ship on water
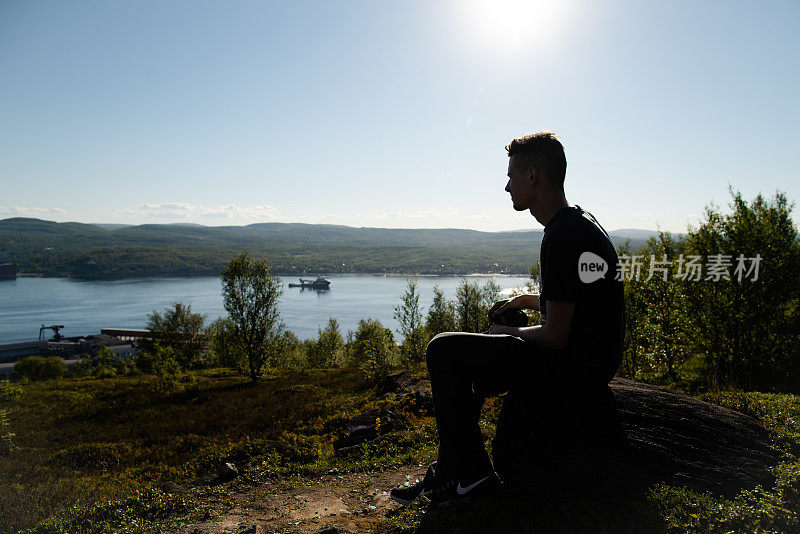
[[319, 283]]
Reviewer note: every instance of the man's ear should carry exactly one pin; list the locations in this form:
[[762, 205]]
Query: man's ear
[[532, 177]]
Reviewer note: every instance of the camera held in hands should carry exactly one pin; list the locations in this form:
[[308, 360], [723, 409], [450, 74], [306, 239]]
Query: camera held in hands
[[511, 317]]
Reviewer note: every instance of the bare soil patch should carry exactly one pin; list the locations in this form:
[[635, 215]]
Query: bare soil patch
[[353, 502]]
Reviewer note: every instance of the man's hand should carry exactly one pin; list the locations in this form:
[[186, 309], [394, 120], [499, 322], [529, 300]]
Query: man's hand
[[496, 306], [554, 335], [502, 329], [530, 302]]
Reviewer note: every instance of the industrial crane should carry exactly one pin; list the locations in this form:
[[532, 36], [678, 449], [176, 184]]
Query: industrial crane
[[55, 328]]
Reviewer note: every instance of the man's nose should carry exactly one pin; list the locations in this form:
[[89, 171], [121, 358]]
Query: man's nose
[[508, 186]]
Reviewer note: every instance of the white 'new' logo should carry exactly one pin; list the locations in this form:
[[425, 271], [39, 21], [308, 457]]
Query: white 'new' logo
[[591, 267]]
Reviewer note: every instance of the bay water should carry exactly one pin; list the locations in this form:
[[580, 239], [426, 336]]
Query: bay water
[[84, 307]]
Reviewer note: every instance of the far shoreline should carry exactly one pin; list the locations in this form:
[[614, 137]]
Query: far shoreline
[[293, 275]]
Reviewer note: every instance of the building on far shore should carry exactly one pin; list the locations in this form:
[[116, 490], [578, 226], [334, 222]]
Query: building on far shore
[[14, 351], [8, 271], [71, 347]]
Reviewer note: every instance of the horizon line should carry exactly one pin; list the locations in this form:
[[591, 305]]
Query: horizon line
[[190, 224]]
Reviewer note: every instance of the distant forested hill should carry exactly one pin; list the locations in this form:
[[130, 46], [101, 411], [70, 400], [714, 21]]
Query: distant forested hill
[[88, 250]]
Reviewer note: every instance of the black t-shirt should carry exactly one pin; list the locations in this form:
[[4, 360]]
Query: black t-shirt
[[579, 264]]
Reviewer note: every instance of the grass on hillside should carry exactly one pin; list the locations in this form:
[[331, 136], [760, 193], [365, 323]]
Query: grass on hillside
[[98, 453], [118, 455]]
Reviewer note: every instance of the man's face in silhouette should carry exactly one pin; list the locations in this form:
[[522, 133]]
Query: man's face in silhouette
[[520, 184]]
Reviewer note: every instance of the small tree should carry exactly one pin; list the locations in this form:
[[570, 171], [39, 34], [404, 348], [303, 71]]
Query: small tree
[[441, 314], [491, 293], [289, 351], [746, 322], [104, 360], [409, 315], [663, 294], [180, 329], [250, 294], [372, 348], [328, 349], [531, 287], [635, 340], [223, 343], [473, 303], [166, 368]]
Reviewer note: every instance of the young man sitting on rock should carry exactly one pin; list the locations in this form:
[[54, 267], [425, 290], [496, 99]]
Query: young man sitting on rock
[[577, 346]]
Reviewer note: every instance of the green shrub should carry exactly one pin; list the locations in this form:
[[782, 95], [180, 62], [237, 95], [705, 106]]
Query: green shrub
[[222, 341], [327, 350], [297, 448], [441, 314], [288, 448], [207, 359], [126, 367], [166, 368], [290, 353], [770, 509], [143, 508], [6, 436], [473, 303], [40, 368], [414, 346], [372, 348], [162, 362], [9, 391], [81, 368], [91, 456], [105, 372], [180, 329]]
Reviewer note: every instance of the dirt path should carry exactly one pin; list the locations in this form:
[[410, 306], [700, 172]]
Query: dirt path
[[352, 502]]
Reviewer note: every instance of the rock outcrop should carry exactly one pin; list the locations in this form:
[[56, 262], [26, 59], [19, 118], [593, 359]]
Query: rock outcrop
[[365, 428], [629, 435], [411, 394]]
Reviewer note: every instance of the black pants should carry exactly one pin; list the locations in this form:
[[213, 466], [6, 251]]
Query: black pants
[[466, 368]]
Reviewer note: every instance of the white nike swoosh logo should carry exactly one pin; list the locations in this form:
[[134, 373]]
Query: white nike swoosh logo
[[462, 491]]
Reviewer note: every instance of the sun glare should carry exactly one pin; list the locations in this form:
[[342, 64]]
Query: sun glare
[[512, 25]]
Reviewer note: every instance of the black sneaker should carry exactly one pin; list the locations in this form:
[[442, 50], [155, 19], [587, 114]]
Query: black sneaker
[[407, 494], [452, 491]]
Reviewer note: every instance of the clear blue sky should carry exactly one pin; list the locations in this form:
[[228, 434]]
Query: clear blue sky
[[391, 114]]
